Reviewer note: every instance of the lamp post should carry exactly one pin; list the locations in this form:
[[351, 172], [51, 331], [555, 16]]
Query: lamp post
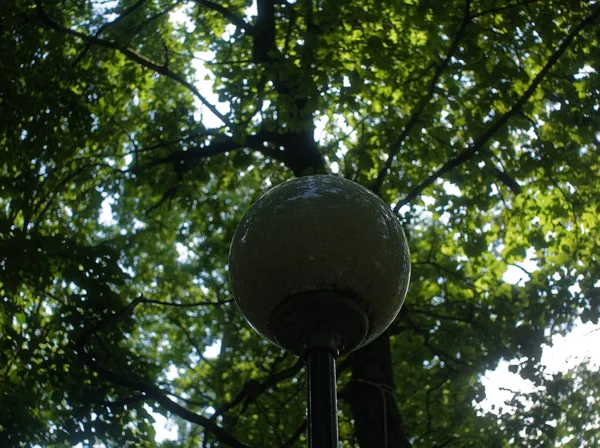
[[320, 266]]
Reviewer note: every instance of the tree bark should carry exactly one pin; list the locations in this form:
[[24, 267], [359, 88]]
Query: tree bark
[[371, 397]]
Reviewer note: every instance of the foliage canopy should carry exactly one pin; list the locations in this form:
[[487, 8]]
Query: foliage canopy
[[476, 120]]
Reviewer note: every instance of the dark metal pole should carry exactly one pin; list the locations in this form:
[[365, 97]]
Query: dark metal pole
[[322, 398]]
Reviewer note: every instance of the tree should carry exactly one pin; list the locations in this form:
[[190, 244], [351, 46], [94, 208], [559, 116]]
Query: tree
[[477, 121]]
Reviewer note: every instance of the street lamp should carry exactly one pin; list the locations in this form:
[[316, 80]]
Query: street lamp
[[320, 266]]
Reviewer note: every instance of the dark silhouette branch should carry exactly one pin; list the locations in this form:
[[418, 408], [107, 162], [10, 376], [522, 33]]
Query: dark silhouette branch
[[183, 160], [296, 149], [166, 144], [167, 196], [185, 305], [253, 389], [502, 176], [466, 320], [132, 55], [191, 341], [334, 144], [507, 180], [114, 22], [148, 390], [477, 146], [295, 436], [137, 28], [299, 151], [428, 398], [228, 14], [504, 8], [119, 404], [212, 149], [264, 31], [416, 114], [449, 360]]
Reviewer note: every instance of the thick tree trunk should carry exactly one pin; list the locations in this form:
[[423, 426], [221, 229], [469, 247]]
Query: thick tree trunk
[[371, 397]]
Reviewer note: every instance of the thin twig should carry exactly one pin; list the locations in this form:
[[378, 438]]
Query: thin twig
[[185, 305]]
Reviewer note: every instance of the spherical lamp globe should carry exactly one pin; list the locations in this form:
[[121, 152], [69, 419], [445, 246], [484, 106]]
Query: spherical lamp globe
[[319, 261]]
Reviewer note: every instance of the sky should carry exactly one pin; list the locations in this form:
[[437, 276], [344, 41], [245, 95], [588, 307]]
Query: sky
[[565, 352]]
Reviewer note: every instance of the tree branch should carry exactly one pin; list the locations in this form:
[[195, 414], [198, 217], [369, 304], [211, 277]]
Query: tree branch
[[123, 15], [414, 118], [166, 144], [294, 437], [253, 389], [132, 55], [466, 320], [150, 391], [264, 31], [191, 341], [228, 14], [507, 180], [136, 29], [185, 305], [179, 159], [502, 176], [428, 397], [477, 146], [504, 8]]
